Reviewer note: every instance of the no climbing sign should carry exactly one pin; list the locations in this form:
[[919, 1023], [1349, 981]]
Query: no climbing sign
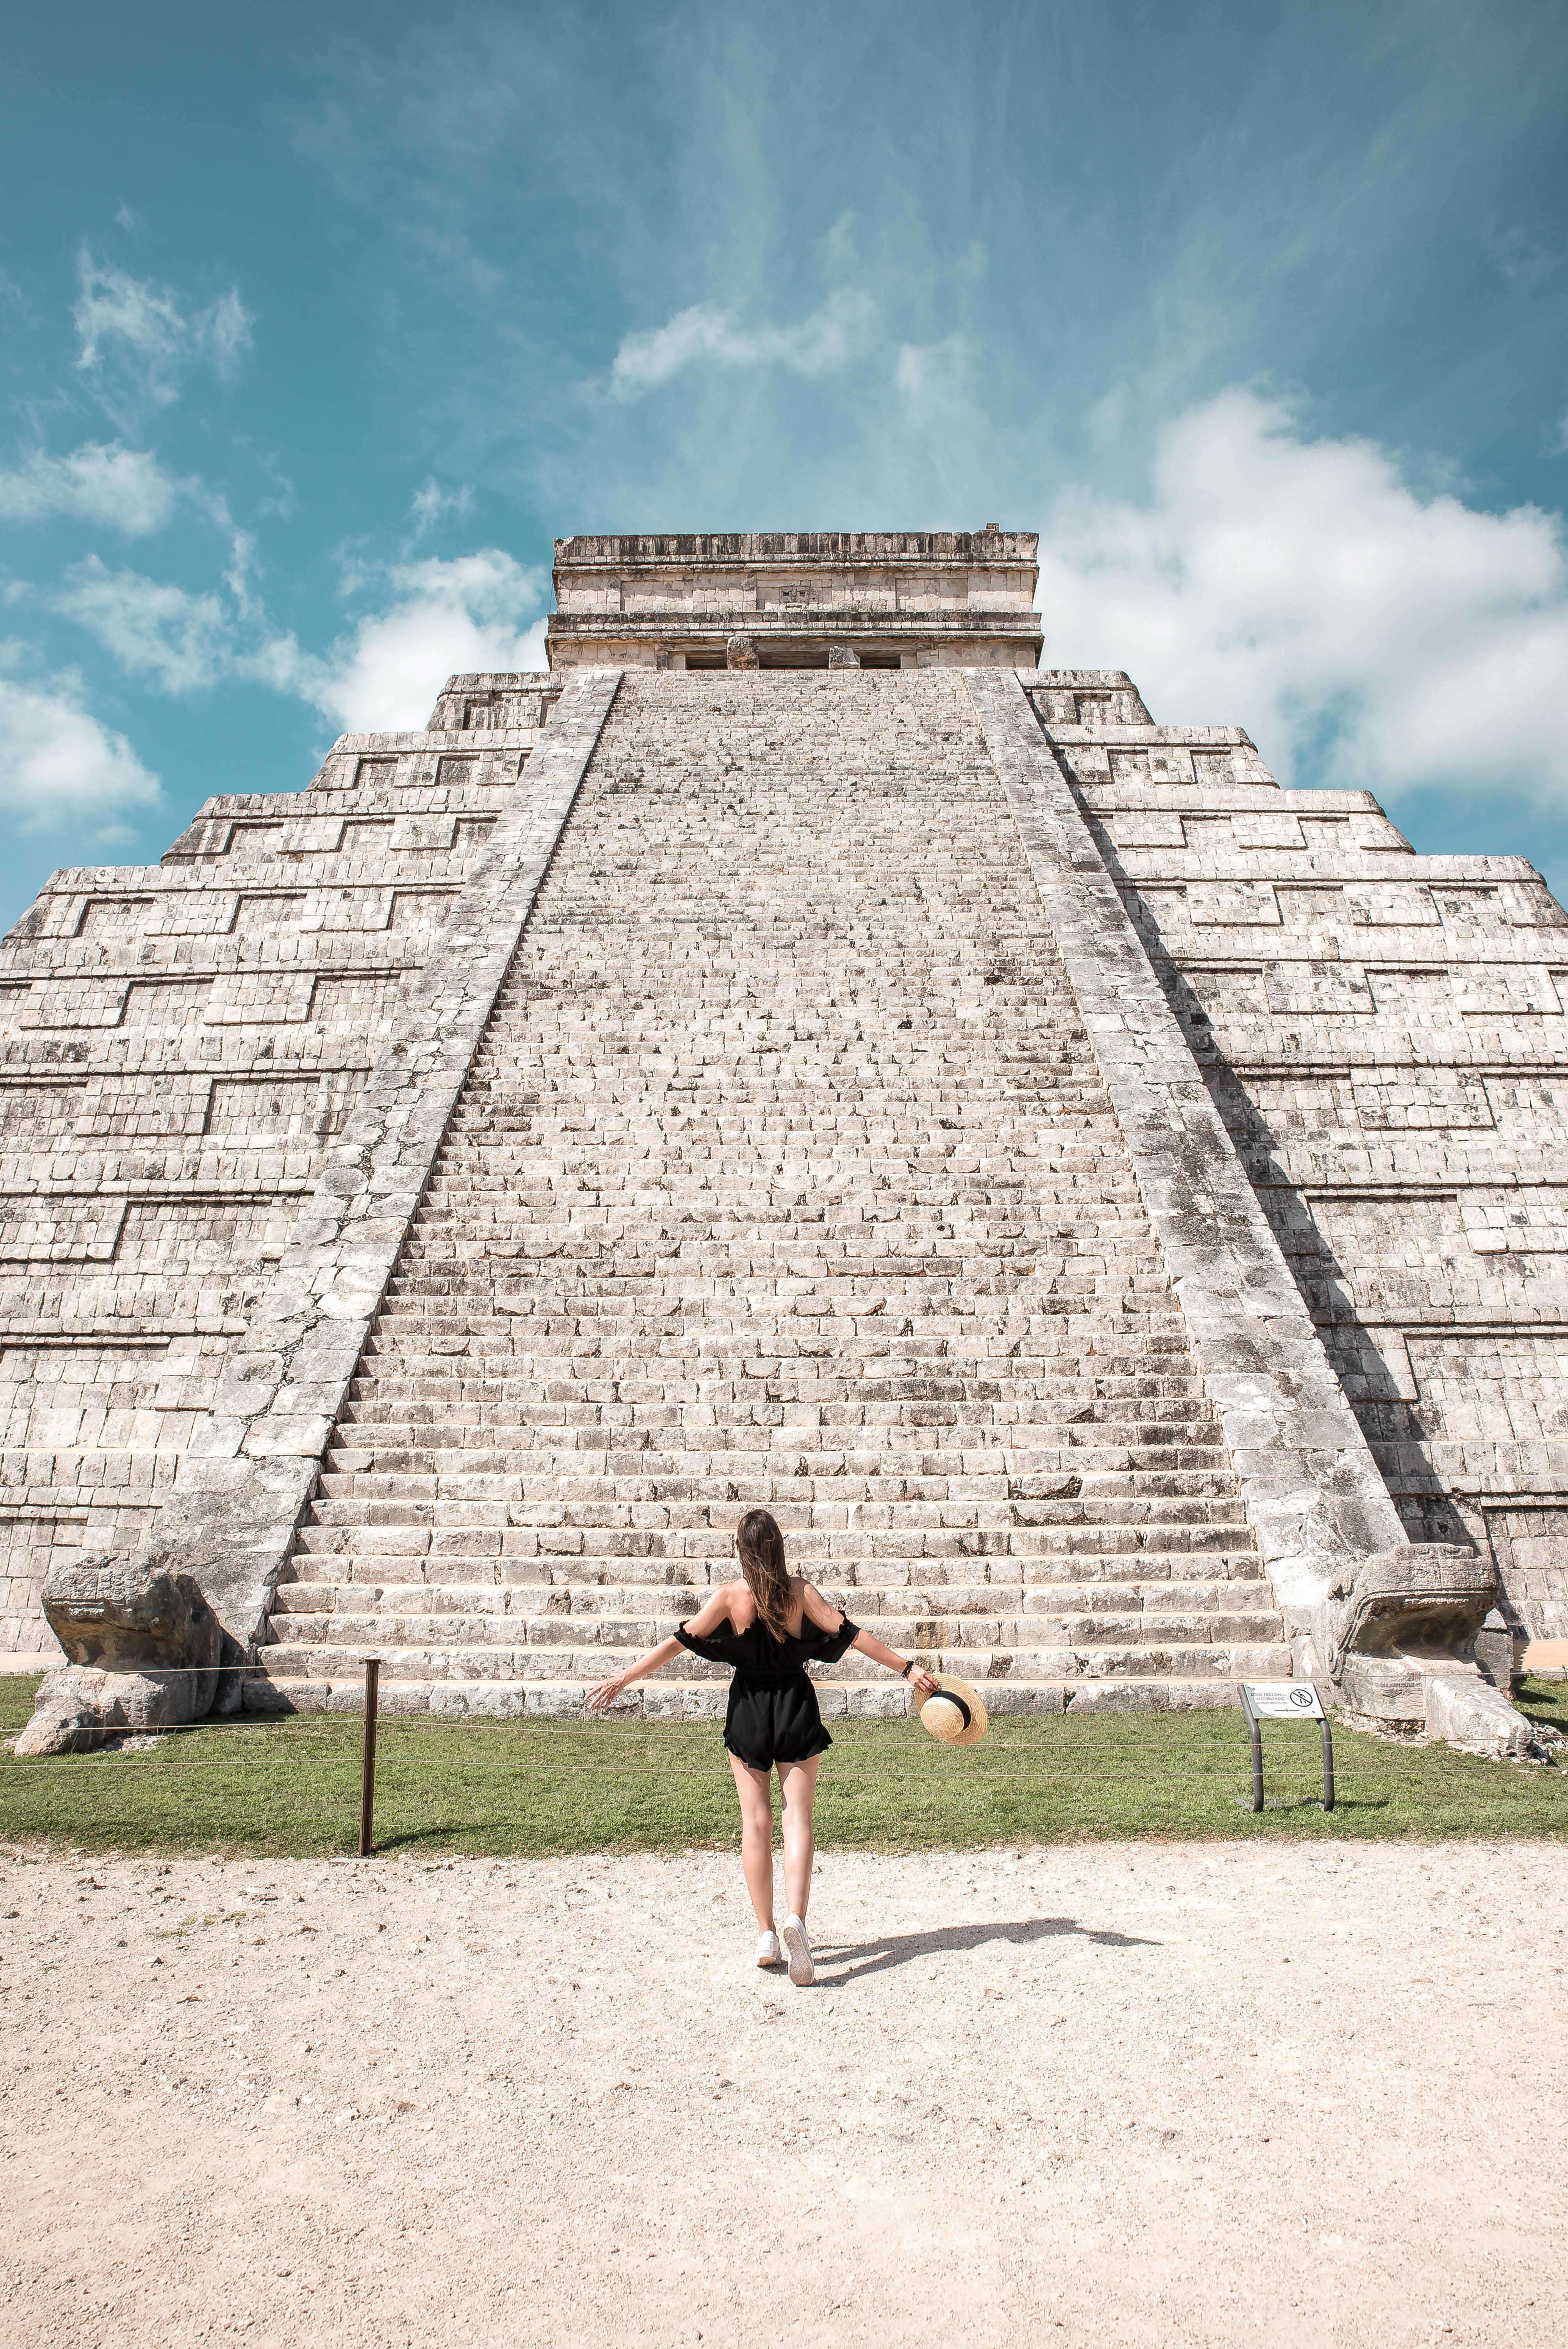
[[1285, 1701], [1282, 1700]]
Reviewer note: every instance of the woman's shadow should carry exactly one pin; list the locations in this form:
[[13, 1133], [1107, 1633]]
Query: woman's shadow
[[900, 1949]]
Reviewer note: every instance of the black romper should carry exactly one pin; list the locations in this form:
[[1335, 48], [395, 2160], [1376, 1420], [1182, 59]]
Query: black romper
[[773, 1713]]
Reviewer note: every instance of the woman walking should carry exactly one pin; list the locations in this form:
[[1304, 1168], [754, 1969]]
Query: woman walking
[[768, 1626]]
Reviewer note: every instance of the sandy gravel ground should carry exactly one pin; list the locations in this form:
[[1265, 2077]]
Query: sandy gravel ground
[[1167, 2093]]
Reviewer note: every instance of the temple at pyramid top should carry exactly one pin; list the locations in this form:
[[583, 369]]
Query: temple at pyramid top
[[797, 599]]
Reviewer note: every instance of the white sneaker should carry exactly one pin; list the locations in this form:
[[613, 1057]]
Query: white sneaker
[[767, 1950], [801, 1970]]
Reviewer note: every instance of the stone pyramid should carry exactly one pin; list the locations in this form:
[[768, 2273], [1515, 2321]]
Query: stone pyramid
[[796, 1052]]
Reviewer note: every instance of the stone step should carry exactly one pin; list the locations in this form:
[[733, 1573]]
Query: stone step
[[452, 1561], [667, 1434], [657, 1396], [1061, 1332], [721, 1269], [340, 1688], [487, 1397], [325, 1595], [354, 1463], [665, 1554], [924, 1486], [384, 1469], [455, 1628], [895, 1521], [634, 1282], [590, 1662], [542, 1342]]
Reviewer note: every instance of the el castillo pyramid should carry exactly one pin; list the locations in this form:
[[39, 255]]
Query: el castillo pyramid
[[798, 1051]]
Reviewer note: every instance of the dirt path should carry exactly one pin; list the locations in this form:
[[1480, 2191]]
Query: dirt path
[[1101, 2095]]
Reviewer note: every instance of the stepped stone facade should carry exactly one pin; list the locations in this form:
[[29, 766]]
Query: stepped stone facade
[[1110, 1209]]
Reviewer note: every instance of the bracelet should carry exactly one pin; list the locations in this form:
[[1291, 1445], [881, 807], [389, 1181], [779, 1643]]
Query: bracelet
[[907, 1670]]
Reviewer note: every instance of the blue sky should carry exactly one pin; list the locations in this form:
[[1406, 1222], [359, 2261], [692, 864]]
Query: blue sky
[[318, 324]]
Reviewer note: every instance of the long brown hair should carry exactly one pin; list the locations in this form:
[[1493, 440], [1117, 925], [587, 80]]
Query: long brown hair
[[761, 1547]]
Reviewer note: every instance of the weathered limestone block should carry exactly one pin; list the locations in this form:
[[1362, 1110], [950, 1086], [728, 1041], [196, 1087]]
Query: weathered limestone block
[[1466, 1710], [144, 1648], [1400, 1648], [1500, 1648], [225, 1531], [1423, 1603], [740, 652]]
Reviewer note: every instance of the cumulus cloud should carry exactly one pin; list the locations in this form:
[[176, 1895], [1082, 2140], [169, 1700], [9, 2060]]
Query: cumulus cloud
[[153, 629], [127, 489], [1309, 590], [476, 612], [831, 337], [57, 762], [136, 339]]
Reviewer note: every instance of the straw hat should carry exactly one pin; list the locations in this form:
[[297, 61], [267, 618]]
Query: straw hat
[[957, 1716]]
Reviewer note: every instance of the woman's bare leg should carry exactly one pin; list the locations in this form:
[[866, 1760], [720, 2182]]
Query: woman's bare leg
[[798, 1781], [755, 1789]]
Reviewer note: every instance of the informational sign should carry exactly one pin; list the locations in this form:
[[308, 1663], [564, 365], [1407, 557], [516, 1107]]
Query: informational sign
[[1282, 1700]]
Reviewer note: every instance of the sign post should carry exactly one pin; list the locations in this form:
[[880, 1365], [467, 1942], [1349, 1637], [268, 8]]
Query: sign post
[[368, 1758], [1285, 1700]]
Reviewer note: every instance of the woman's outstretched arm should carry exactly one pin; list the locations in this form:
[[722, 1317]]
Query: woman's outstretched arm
[[601, 1698], [713, 1611], [828, 1618], [920, 1680]]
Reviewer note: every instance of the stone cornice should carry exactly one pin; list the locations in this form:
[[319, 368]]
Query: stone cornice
[[743, 549]]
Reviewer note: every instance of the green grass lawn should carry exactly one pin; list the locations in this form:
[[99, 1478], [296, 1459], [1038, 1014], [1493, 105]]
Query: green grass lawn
[[292, 1787]]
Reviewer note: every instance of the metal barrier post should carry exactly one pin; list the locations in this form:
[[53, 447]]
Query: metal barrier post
[[367, 1764], [1327, 1766], [1257, 1764]]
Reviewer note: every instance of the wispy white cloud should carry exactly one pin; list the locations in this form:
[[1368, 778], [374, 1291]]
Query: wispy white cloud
[[835, 335], [137, 340], [1305, 588], [223, 333], [430, 502], [935, 381], [59, 764], [476, 612], [127, 489], [1524, 259], [153, 629]]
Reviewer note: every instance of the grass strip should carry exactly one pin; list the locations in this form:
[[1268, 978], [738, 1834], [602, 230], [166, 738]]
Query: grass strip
[[290, 1789]]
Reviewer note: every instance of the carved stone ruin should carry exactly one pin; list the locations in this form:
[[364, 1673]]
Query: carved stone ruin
[[798, 1051]]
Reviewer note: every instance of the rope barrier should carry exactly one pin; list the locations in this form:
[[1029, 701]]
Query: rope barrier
[[1152, 1778]]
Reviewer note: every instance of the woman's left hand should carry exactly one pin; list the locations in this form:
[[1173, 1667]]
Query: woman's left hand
[[922, 1683], [601, 1698]]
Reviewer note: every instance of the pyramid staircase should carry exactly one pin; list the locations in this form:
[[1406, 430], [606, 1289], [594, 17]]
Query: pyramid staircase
[[784, 1175]]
